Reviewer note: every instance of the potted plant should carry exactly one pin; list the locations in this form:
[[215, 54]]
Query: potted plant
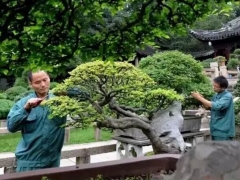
[[221, 60], [120, 96]]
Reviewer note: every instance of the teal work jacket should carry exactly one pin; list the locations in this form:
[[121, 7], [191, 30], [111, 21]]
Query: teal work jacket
[[42, 138], [222, 122]]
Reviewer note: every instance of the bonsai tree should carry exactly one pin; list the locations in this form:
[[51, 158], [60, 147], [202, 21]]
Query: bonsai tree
[[236, 54], [206, 63], [232, 64], [120, 96], [178, 71]]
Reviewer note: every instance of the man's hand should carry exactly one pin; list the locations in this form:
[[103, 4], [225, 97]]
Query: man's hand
[[196, 95], [207, 104], [32, 103]]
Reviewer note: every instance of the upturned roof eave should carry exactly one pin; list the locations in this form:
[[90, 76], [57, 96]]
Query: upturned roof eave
[[215, 35]]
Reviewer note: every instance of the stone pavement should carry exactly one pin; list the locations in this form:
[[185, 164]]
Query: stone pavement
[[93, 159]]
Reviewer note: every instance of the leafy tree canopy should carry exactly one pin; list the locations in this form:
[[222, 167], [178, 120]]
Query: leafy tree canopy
[[178, 71], [48, 34]]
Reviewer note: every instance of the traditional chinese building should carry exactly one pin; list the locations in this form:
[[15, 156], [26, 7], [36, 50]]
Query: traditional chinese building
[[220, 42], [223, 41]]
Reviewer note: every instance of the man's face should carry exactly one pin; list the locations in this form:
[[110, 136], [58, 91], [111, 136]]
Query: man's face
[[40, 82], [217, 88]]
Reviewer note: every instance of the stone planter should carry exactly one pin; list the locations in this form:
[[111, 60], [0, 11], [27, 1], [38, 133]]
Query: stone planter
[[147, 165], [221, 63], [191, 123], [165, 121]]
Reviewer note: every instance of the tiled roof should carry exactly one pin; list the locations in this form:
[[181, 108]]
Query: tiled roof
[[202, 53], [146, 51], [230, 29]]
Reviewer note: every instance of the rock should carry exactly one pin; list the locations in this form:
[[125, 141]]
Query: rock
[[212, 160], [171, 121], [167, 123]]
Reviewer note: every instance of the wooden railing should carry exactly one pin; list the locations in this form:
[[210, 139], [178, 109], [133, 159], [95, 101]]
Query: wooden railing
[[107, 170], [82, 154]]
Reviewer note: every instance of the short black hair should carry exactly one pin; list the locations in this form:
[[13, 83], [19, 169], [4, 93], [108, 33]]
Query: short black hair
[[222, 81], [30, 74]]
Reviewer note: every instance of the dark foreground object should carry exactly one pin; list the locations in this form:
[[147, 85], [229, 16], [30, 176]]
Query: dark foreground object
[[213, 160], [108, 170]]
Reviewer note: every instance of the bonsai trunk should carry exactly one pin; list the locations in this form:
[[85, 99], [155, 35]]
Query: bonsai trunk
[[125, 123], [157, 144]]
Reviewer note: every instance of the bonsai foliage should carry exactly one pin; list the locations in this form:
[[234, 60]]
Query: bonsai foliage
[[178, 71], [120, 97], [232, 64], [236, 54]]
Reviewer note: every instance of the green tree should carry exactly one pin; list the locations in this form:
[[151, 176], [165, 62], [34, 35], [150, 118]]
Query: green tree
[[120, 97], [48, 34], [178, 71]]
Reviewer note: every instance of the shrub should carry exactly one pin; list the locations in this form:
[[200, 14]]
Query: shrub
[[17, 98], [15, 91], [3, 96], [5, 106], [206, 63], [236, 93], [237, 51], [236, 88], [233, 56], [178, 71], [237, 112], [233, 63], [236, 54], [21, 82]]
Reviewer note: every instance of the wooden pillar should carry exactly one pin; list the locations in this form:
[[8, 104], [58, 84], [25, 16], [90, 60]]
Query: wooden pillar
[[84, 159], [228, 51], [136, 61], [67, 135], [97, 133], [215, 53]]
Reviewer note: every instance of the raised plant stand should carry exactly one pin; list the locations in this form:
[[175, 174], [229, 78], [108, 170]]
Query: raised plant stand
[[134, 148], [191, 123]]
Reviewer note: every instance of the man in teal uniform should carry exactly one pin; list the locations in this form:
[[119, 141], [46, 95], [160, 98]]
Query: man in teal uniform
[[42, 139], [222, 124]]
